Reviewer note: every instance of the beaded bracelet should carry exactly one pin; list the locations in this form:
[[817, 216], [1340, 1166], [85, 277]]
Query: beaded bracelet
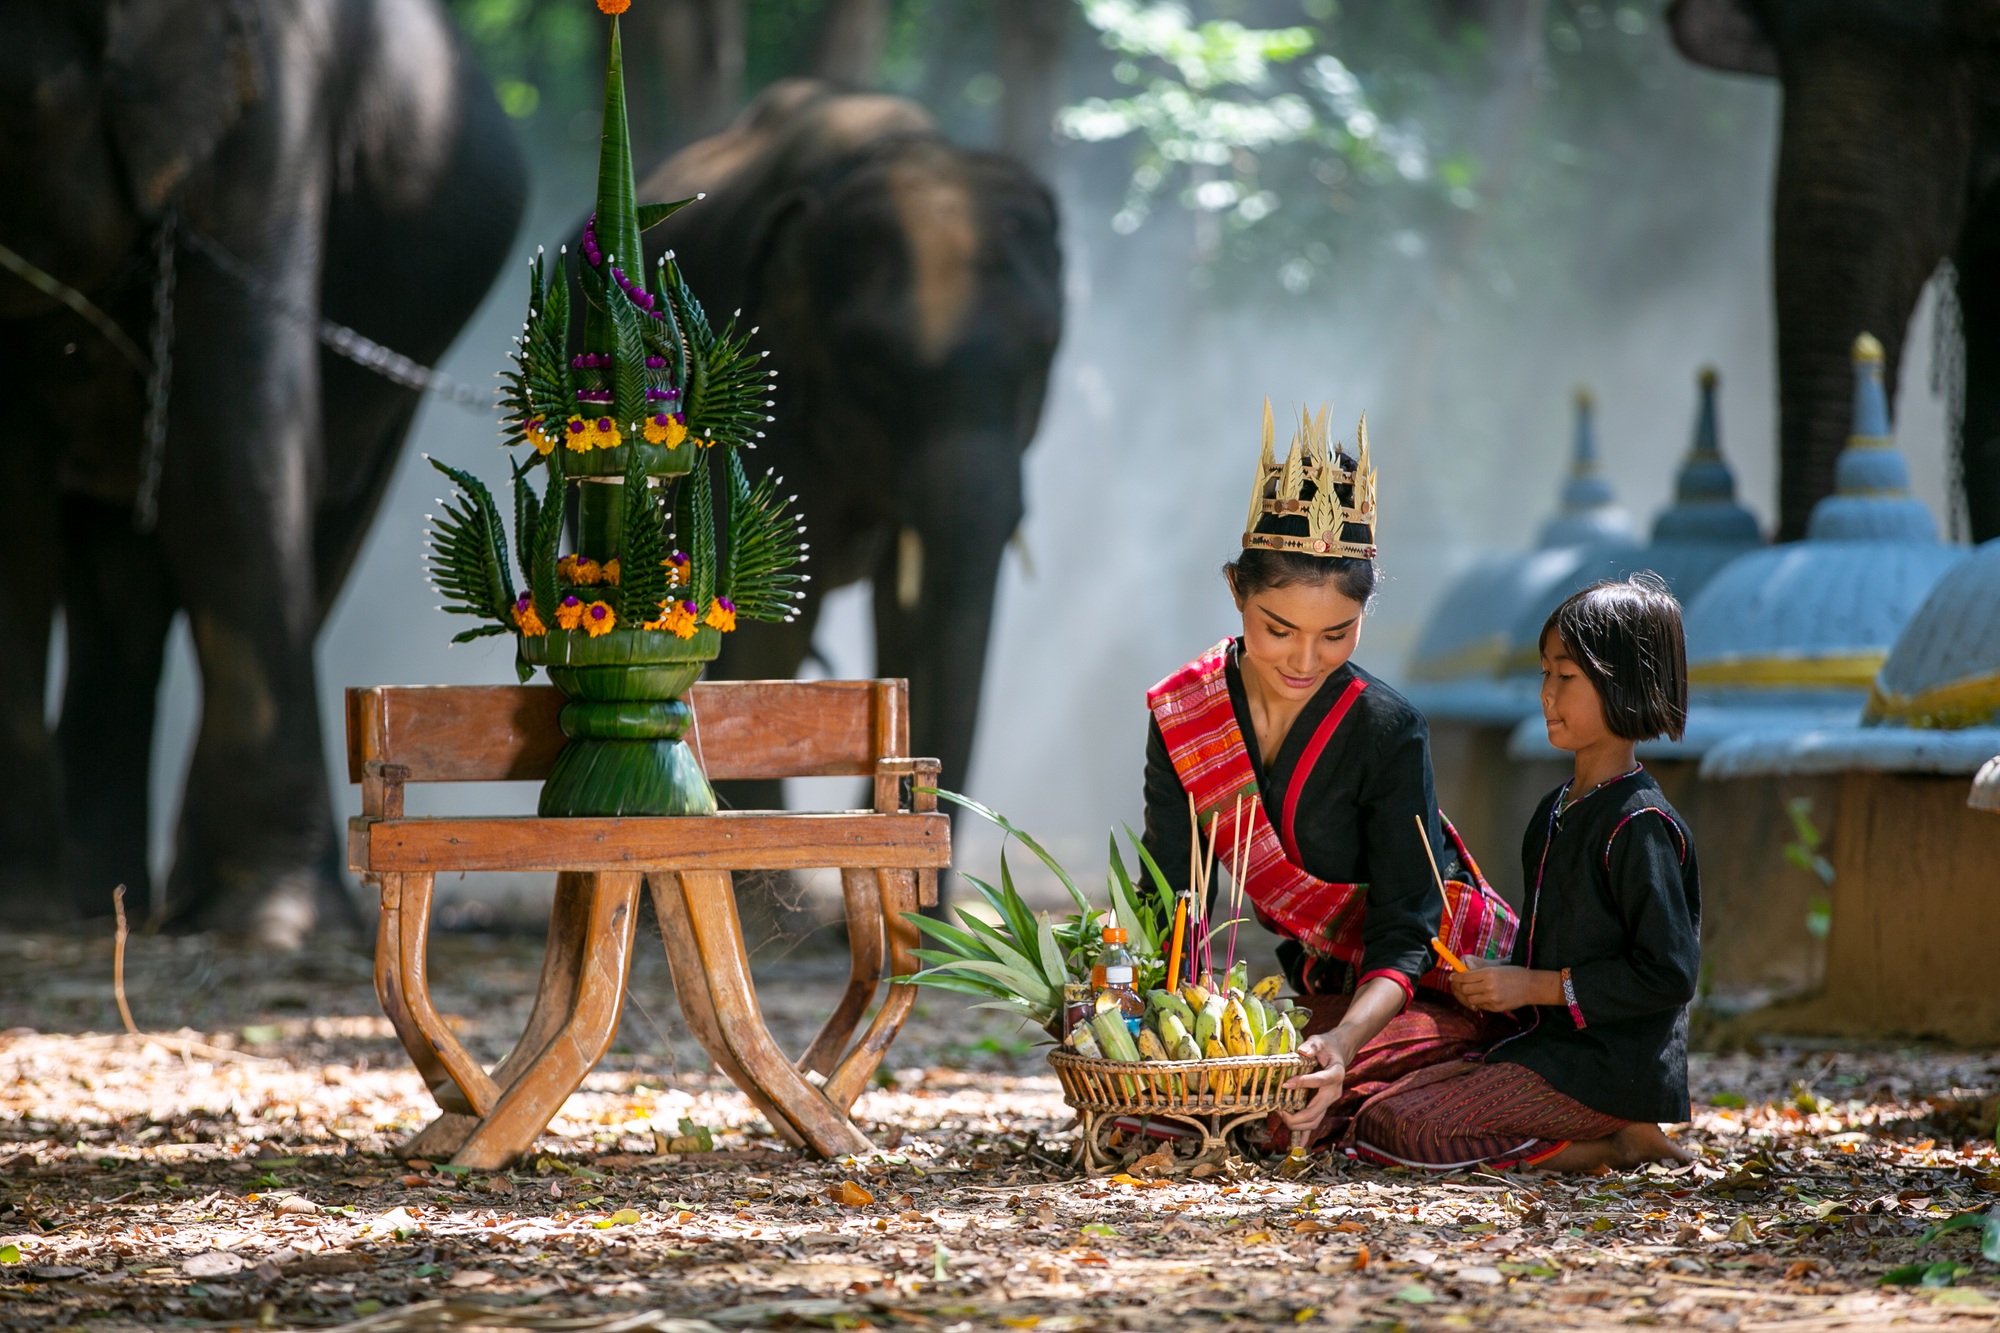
[[1569, 998]]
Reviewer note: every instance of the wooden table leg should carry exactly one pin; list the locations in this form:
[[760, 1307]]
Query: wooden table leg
[[697, 1007], [555, 996], [718, 935], [604, 952], [406, 997], [899, 895], [863, 896]]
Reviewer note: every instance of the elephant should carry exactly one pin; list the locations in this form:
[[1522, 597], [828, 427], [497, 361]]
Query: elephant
[[910, 295], [1887, 165], [339, 160]]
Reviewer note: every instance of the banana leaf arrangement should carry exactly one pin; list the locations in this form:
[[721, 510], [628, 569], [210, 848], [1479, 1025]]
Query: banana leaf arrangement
[[639, 426], [1021, 962]]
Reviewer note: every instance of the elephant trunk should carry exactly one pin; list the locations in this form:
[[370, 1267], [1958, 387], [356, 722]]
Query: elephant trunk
[[1870, 197]]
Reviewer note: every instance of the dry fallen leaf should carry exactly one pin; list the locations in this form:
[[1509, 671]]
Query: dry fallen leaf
[[852, 1195], [212, 1263], [469, 1277]]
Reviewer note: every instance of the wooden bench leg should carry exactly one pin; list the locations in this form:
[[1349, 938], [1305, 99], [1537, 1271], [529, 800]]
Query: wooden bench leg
[[555, 995], [863, 896], [899, 893], [466, 1086], [718, 934], [389, 985], [697, 1007], [604, 956]]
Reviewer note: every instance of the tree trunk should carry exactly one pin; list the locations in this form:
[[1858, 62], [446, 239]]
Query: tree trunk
[[852, 35], [1029, 37], [1870, 196], [1979, 320], [689, 58]]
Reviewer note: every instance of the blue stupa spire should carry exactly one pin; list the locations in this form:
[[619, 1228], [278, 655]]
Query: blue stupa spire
[[1871, 498], [1589, 510], [1705, 507]]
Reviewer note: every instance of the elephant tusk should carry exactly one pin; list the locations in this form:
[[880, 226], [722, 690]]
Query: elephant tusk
[[1018, 543], [909, 568]]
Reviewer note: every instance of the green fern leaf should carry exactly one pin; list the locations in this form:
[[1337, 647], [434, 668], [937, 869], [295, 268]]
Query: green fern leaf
[[694, 529], [642, 579], [542, 581], [765, 547], [468, 551], [527, 518]]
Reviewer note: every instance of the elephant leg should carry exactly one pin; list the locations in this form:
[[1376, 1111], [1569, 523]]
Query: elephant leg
[[235, 521], [29, 790], [1978, 263], [120, 604], [934, 591]]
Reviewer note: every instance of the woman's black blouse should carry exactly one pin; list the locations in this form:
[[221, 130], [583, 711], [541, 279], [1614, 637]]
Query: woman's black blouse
[[1356, 822], [1620, 907]]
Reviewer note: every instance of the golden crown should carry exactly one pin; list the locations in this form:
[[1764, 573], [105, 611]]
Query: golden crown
[[1308, 484]]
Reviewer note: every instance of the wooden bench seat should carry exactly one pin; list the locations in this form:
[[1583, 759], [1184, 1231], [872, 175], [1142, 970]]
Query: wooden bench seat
[[888, 857]]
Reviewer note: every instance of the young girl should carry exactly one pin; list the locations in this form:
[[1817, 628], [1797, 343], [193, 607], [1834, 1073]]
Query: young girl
[[1600, 980]]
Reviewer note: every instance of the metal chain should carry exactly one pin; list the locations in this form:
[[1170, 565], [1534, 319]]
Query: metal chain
[[159, 378], [342, 340]]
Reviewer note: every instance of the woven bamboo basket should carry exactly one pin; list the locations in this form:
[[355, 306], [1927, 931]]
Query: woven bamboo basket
[[1178, 1100]]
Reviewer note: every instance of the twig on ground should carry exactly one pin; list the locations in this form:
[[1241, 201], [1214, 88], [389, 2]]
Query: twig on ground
[[118, 962]]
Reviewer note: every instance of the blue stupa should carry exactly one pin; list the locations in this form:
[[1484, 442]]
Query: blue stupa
[[1790, 638], [1460, 666], [1705, 527]]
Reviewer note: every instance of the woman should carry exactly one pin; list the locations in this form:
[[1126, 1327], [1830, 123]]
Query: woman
[[1336, 768]]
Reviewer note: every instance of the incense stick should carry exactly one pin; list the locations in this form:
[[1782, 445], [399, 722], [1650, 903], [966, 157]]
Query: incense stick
[[1450, 959]]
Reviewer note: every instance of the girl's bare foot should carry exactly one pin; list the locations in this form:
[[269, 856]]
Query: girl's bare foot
[[1638, 1142]]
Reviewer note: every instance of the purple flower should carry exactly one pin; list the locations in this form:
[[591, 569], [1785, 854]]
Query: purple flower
[[726, 604], [598, 611], [681, 417], [660, 420], [576, 427], [656, 363], [572, 600], [657, 395], [689, 607], [604, 423]]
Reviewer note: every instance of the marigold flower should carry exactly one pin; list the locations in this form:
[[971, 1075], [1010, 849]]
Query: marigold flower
[[662, 428], [679, 619], [613, 7], [579, 569], [569, 611], [609, 573], [677, 568], [578, 437], [525, 618], [538, 436], [599, 618], [721, 615]]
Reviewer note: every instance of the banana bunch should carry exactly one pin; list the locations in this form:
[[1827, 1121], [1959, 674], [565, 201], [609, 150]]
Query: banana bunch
[[1197, 1023]]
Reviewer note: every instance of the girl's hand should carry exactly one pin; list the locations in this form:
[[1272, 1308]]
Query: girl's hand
[[1496, 988], [1325, 1081]]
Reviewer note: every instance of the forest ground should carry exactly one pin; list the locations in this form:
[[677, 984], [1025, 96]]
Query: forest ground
[[239, 1167]]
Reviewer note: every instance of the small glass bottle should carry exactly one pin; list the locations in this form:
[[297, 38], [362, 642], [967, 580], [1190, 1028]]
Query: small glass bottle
[[1115, 978]]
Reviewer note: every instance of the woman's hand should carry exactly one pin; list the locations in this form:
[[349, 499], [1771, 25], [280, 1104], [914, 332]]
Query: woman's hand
[[1325, 1082], [1497, 988]]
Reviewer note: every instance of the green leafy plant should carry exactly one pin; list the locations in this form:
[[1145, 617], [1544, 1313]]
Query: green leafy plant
[[1803, 852], [468, 556], [766, 544], [1021, 963]]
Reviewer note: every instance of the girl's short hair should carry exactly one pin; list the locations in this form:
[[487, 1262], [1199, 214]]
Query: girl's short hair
[[1259, 570], [1626, 638]]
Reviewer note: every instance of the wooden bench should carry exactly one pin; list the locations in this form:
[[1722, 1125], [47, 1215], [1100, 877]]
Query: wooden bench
[[888, 858]]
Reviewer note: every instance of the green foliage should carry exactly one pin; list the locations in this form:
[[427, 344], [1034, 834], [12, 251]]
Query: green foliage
[[642, 581], [1015, 963], [468, 556], [726, 386], [545, 548], [694, 530], [527, 519], [761, 574], [1803, 852], [628, 371], [538, 385]]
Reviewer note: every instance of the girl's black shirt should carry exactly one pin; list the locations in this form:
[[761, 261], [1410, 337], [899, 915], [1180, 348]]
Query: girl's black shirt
[[1619, 905], [1356, 821]]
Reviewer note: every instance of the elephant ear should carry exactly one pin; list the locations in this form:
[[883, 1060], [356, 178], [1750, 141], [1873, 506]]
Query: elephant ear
[[773, 239], [178, 74], [1721, 34]]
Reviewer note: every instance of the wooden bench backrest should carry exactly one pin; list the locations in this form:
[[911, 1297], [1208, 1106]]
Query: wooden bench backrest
[[746, 729]]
